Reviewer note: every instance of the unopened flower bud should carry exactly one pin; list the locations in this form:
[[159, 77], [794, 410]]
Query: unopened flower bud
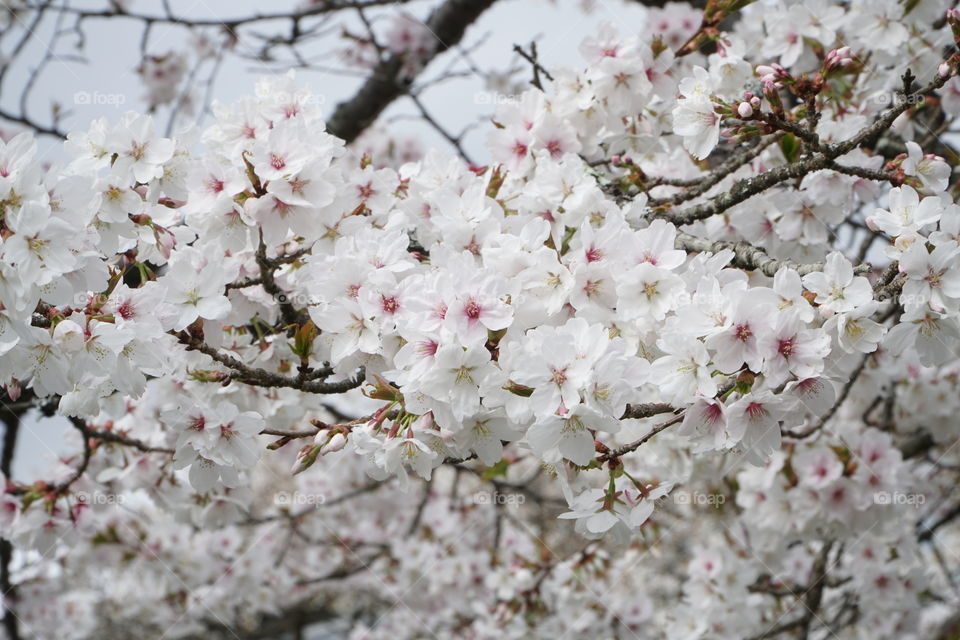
[[953, 19], [13, 390], [766, 73], [305, 458], [335, 443], [745, 110]]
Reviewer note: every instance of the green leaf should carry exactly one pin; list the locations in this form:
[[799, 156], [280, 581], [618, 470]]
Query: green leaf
[[518, 389], [499, 470], [790, 147], [303, 339]]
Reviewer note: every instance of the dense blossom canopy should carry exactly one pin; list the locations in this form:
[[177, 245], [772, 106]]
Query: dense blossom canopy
[[680, 362]]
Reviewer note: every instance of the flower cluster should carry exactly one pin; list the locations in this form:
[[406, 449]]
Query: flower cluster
[[677, 308]]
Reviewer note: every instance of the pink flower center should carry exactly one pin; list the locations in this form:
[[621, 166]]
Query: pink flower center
[[126, 310], [365, 191], [472, 309], [390, 305], [743, 332], [215, 185], [786, 347], [713, 413], [755, 411], [427, 348]]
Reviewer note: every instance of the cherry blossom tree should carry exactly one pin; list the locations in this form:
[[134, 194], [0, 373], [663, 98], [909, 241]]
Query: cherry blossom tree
[[681, 361]]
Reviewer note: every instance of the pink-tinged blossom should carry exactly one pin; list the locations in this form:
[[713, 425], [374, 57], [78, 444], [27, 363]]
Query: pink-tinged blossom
[[738, 342], [754, 425], [932, 171], [817, 467], [568, 436], [934, 335], [478, 308], [790, 349], [932, 276], [705, 423]]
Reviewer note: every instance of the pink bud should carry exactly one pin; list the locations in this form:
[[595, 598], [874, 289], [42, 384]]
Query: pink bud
[[13, 390], [305, 458], [336, 442], [943, 69], [755, 102], [745, 110]]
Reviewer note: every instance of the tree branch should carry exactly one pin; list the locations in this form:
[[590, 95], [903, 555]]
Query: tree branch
[[447, 24]]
